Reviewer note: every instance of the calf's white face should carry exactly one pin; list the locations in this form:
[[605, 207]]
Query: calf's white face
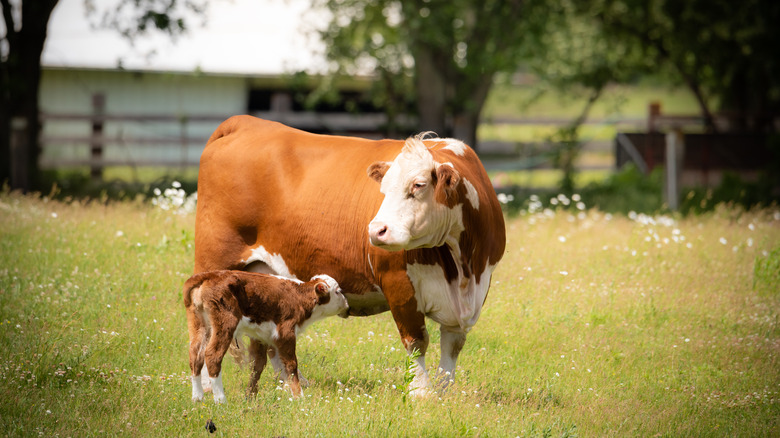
[[420, 209], [332, 300]]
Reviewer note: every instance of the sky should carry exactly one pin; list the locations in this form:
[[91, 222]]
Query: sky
[[266, 37]]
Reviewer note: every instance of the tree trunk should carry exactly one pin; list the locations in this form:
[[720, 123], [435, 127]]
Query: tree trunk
[[20, 76], [466, 119], [431, 92]]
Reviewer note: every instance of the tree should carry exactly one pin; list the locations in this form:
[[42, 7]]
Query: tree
[[452, 49], [20, 72], [568, 51], [724, 52], [21, 44]]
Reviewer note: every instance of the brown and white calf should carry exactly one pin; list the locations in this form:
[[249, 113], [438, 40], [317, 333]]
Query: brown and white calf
[[270, 310]]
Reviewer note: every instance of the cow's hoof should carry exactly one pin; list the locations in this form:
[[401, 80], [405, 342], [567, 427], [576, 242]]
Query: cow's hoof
[[420, 393]]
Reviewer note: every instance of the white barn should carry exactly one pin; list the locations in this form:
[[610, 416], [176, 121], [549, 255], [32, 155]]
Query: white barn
[[167, 97]]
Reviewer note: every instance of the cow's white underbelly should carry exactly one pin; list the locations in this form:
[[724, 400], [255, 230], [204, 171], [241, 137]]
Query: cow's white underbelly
[[453, 304]]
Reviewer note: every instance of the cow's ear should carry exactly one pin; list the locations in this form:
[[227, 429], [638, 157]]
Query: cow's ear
[[321, 289], [447, 179], [377, 170]]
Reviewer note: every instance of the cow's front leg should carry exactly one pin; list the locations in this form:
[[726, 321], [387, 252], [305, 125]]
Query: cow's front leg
[[452, 341], [414, 335]]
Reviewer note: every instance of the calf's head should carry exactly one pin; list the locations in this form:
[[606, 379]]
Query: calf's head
[[421, 207], [330, 299]]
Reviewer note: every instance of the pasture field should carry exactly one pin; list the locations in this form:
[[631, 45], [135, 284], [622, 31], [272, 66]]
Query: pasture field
[[596, 325]]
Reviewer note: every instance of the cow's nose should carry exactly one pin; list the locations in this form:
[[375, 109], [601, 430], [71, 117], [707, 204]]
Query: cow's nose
[[377, 231]]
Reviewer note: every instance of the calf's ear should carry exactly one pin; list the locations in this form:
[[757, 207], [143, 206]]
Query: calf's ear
[[321, 289], [377, 170], [447, 179]]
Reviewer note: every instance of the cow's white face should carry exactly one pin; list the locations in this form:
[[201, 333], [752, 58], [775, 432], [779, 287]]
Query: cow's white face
[[421, 208]]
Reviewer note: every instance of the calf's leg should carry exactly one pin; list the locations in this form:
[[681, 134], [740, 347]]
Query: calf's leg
[[197, 334], [257, 353], [281, 370], [285, 346], [223, 328]]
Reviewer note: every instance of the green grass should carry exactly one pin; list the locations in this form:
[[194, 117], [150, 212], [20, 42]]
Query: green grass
[[596, 325]]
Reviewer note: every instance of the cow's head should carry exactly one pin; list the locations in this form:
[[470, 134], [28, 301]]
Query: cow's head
[[421, 208]]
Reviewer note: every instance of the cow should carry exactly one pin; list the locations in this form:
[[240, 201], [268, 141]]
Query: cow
[[411, 226], [224, 305]]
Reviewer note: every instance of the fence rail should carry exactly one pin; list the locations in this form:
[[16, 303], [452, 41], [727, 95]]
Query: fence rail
[[124, 135], [176, 140]]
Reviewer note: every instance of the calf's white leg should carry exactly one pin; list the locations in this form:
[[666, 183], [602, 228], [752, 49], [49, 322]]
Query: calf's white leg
[[205, 380], [197, 388], [217, 389]]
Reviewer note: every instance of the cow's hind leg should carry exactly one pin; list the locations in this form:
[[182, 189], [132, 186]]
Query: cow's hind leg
[[452, 341]]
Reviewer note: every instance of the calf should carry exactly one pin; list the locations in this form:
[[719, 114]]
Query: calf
[[271, 310]]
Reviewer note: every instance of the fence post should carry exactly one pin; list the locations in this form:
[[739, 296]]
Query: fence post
[[20, 149], [653, 111], [675, 153], [96, 141], [183, 119]]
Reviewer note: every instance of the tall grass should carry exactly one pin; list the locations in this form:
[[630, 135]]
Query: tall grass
[[596, 325]]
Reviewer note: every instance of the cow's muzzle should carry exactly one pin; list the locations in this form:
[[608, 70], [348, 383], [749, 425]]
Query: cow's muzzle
[[378, 233]]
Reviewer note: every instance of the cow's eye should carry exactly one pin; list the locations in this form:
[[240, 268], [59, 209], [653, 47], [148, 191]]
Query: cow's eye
[[416, 187]]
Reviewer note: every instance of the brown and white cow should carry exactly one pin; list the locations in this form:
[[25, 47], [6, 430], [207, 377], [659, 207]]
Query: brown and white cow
[[422, 242]]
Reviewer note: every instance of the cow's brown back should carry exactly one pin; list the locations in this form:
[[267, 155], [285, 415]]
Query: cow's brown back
[[305, 197]]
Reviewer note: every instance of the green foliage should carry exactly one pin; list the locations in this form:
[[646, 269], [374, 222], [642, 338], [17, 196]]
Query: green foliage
[[733, 191], [137, 18], [766, 271], [409, 372], [627, 190], [724, 52], [77, 184], [442, 55]]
